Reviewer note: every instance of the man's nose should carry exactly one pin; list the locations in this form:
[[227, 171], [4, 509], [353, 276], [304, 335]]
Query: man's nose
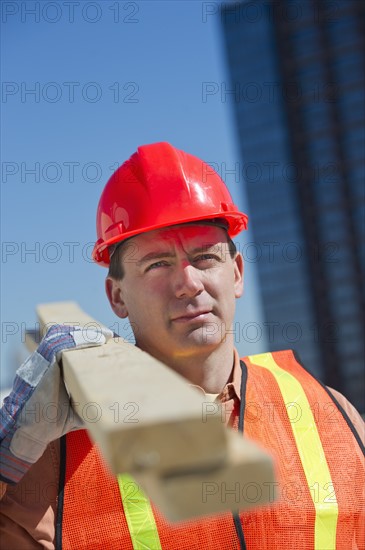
[[188, 282]]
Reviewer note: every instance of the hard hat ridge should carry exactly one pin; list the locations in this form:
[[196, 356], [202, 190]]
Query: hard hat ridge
[[160, 186]]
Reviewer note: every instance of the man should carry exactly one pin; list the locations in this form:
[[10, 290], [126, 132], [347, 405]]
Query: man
[[165, 222]]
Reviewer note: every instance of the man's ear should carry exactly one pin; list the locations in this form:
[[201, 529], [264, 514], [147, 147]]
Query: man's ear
[[115, 297], [238, 275]]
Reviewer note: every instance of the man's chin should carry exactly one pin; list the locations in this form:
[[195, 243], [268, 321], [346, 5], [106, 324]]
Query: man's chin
[[198, 341]]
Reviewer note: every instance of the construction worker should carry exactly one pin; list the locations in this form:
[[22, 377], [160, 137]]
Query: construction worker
[[165, 225]]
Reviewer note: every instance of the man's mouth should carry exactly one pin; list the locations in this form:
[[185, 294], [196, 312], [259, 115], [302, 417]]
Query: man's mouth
[[199, 315]]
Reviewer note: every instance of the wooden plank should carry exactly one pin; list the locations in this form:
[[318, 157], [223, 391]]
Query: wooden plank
[[245, 480], [134, 406], [64, 313], [148, 421], [142, 414]]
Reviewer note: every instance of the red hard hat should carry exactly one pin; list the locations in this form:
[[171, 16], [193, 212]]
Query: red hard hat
[[157, 187]]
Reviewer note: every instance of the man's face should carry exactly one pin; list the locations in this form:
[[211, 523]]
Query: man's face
[[178, 290]]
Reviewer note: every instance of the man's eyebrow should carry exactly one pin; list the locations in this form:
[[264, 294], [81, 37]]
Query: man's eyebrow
[[164, 254], [206, 247]]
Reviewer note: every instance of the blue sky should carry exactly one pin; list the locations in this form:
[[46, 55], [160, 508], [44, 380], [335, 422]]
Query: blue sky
[[84, 85]]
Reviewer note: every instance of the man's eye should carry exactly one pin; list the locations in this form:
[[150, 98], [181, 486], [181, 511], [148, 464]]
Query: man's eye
[[206, 257], [155, 265]]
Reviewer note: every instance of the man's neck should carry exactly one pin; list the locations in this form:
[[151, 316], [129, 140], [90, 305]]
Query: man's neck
[[211, 371]]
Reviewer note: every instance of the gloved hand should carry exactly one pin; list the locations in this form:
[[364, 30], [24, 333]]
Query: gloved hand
[[38, 409]]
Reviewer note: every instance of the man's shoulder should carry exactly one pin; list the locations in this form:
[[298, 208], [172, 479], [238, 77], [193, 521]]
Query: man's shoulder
[[354, 416]]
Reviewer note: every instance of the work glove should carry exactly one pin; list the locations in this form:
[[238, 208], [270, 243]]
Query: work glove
[[38, 409]]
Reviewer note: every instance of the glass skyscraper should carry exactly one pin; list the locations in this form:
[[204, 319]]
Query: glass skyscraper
[[297, 86]]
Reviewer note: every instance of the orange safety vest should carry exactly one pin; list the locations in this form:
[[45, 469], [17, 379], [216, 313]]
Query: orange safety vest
[[319, 461]]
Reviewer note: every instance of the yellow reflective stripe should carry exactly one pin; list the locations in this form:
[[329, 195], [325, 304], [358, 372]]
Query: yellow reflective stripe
[[310, 451], [139, 515]]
